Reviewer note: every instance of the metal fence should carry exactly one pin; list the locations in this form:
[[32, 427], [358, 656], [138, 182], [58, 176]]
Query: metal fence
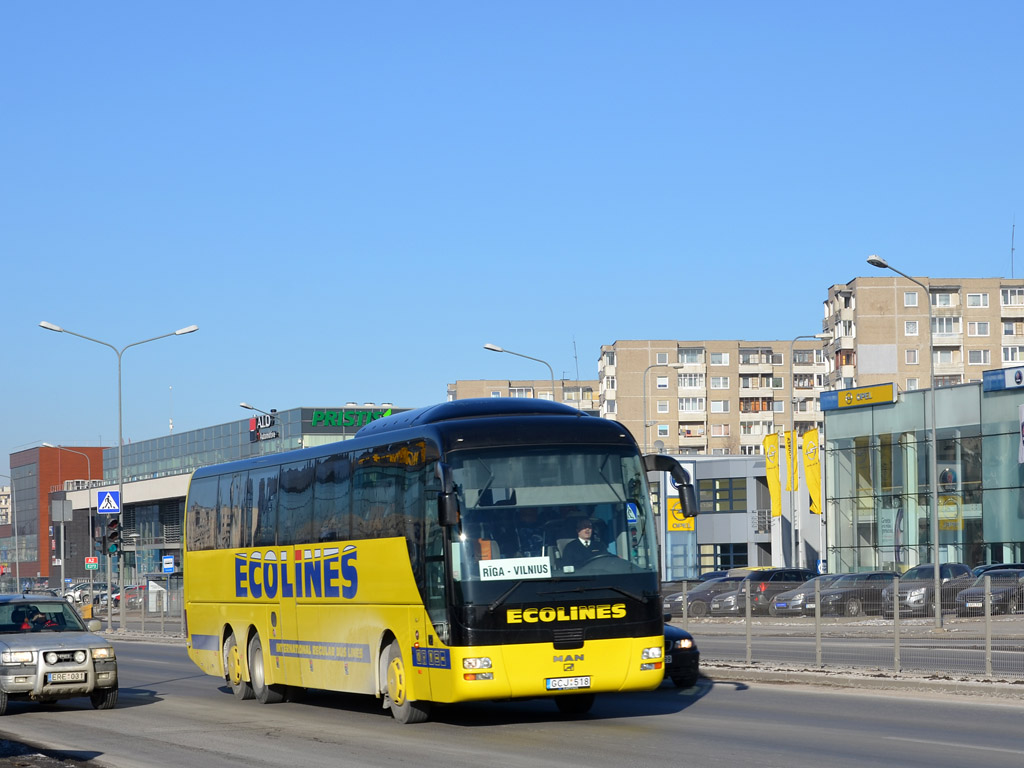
[[987, 646]]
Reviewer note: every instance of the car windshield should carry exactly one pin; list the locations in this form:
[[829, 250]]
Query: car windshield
[[712, 584], [998, 576], [39, 616]]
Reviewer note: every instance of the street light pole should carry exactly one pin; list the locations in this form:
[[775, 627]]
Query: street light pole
[[677, 366], [496, 348], [120, 433], [797, 557], [88, 503], [14, 527], [877, 261]]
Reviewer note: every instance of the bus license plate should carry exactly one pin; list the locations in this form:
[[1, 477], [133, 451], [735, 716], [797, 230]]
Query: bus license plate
[[567, 683], [65, 677]]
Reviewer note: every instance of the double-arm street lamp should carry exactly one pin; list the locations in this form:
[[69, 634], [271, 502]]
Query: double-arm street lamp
[[120, 434], [14, 527], [647, 423], [878, 261], [496, 348]]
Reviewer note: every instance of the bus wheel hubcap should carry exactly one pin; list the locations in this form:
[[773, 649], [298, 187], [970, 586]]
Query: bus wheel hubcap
[[396, 681]]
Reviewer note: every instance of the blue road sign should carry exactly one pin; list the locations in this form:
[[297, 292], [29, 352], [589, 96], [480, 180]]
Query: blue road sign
[[168, 561], [108, 502]]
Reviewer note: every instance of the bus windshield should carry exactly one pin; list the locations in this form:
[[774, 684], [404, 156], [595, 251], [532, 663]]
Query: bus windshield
[[550, 512]]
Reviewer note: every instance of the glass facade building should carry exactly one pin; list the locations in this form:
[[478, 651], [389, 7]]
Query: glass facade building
[[878, 483]]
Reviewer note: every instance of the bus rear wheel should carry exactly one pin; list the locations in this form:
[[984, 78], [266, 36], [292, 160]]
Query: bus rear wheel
[[575, 704], [402, 709], [233, 670], [264, 693]]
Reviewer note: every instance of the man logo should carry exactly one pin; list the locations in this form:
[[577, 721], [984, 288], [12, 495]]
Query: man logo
[[568, 667]]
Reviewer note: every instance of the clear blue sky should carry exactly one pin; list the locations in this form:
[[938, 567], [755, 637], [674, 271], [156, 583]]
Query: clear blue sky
[[350, 199]]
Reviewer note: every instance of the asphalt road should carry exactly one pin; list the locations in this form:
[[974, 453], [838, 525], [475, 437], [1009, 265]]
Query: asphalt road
[[170, 714]]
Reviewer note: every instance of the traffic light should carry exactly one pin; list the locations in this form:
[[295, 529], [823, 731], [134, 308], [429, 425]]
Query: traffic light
[[114, 537]]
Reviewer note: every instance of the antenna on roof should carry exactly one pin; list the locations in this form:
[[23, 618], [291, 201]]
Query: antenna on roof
[[1013, 230]]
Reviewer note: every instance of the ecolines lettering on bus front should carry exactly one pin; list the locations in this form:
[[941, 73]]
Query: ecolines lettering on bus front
[[313, 573], [565, 613]]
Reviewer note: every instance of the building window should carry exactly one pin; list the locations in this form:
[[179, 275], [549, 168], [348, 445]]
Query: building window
[[661, 358], [776, 382], [719, 358], [663, 430], [1013, 354], [1012, 328], [911, 357], [719, 382], [977, 299], [779, 406], [495, 393], [910, 299], [979, 357], [942, 357], [609, 382], [722, 494], [946, 326], [719, 406], [1011, 297], [910, 328], [662, 382], [942, 299], [609, 358], [750, 450], [803, 356], [691, 380], [719, 430], [689, 356], [663, 406], [520, 392], [776, 358], [691, 404], [609, 406], [977, 329], [912, 384]]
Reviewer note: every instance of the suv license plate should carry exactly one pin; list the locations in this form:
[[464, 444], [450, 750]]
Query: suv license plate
[[65, 677], [567, 683]]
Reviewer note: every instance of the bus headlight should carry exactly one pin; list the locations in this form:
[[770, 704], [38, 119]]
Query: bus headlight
[[651, 653], [481, 662]]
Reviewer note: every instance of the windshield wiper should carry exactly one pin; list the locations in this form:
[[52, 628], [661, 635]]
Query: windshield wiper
[[504, 596]]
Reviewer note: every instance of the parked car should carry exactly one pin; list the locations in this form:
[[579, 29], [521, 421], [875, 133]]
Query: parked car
[[763, 584], [708, 575], [792, 602], [855, 594], [48, 653], [77, 593], [917, 587], [698, 599], [682, 659], [1006, 587], [980, 569]]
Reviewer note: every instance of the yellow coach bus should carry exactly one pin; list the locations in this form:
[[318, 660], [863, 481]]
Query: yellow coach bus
[[434, 558]]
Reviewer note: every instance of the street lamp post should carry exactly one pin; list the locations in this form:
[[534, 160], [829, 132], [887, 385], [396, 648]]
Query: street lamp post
[[120, 434], [677, 366], [88, 503], [496, 348], [878, 261], [14, 527], [797, 557]]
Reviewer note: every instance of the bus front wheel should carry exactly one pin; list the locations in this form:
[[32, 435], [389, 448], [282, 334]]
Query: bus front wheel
[[402, 709], [233, 670], [265, 694]]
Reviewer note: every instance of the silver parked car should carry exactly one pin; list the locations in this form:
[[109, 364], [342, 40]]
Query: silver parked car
[[48, 653]]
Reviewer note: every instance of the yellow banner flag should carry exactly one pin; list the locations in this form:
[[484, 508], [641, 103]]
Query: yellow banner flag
[[771, 466], [812, 470], [792, 474]]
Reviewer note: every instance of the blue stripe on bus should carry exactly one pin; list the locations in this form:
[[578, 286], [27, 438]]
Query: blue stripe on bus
[[306, 649], [206, 642]]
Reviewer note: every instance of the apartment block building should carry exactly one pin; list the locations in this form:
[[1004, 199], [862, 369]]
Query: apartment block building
[[578, 394], [880, 332], [712, 397]]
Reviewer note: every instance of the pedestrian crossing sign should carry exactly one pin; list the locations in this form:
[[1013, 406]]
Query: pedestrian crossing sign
[[108, 502]]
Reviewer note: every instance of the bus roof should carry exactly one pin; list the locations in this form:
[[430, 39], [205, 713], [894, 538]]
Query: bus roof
[[476, 407]]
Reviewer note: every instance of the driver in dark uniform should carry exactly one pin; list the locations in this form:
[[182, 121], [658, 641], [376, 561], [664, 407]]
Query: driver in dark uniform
[[583, 548]]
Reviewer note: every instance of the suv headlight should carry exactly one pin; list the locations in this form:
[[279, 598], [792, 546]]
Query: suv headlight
[[18, 657], [103, 653], [919, 592]]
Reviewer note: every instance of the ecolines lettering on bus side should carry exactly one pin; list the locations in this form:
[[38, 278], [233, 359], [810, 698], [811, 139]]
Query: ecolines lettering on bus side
[[313, 573], [326, 418], [565, 613]]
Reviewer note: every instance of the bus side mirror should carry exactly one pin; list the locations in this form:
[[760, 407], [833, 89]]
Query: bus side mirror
[[447, 499], [658, 462]]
